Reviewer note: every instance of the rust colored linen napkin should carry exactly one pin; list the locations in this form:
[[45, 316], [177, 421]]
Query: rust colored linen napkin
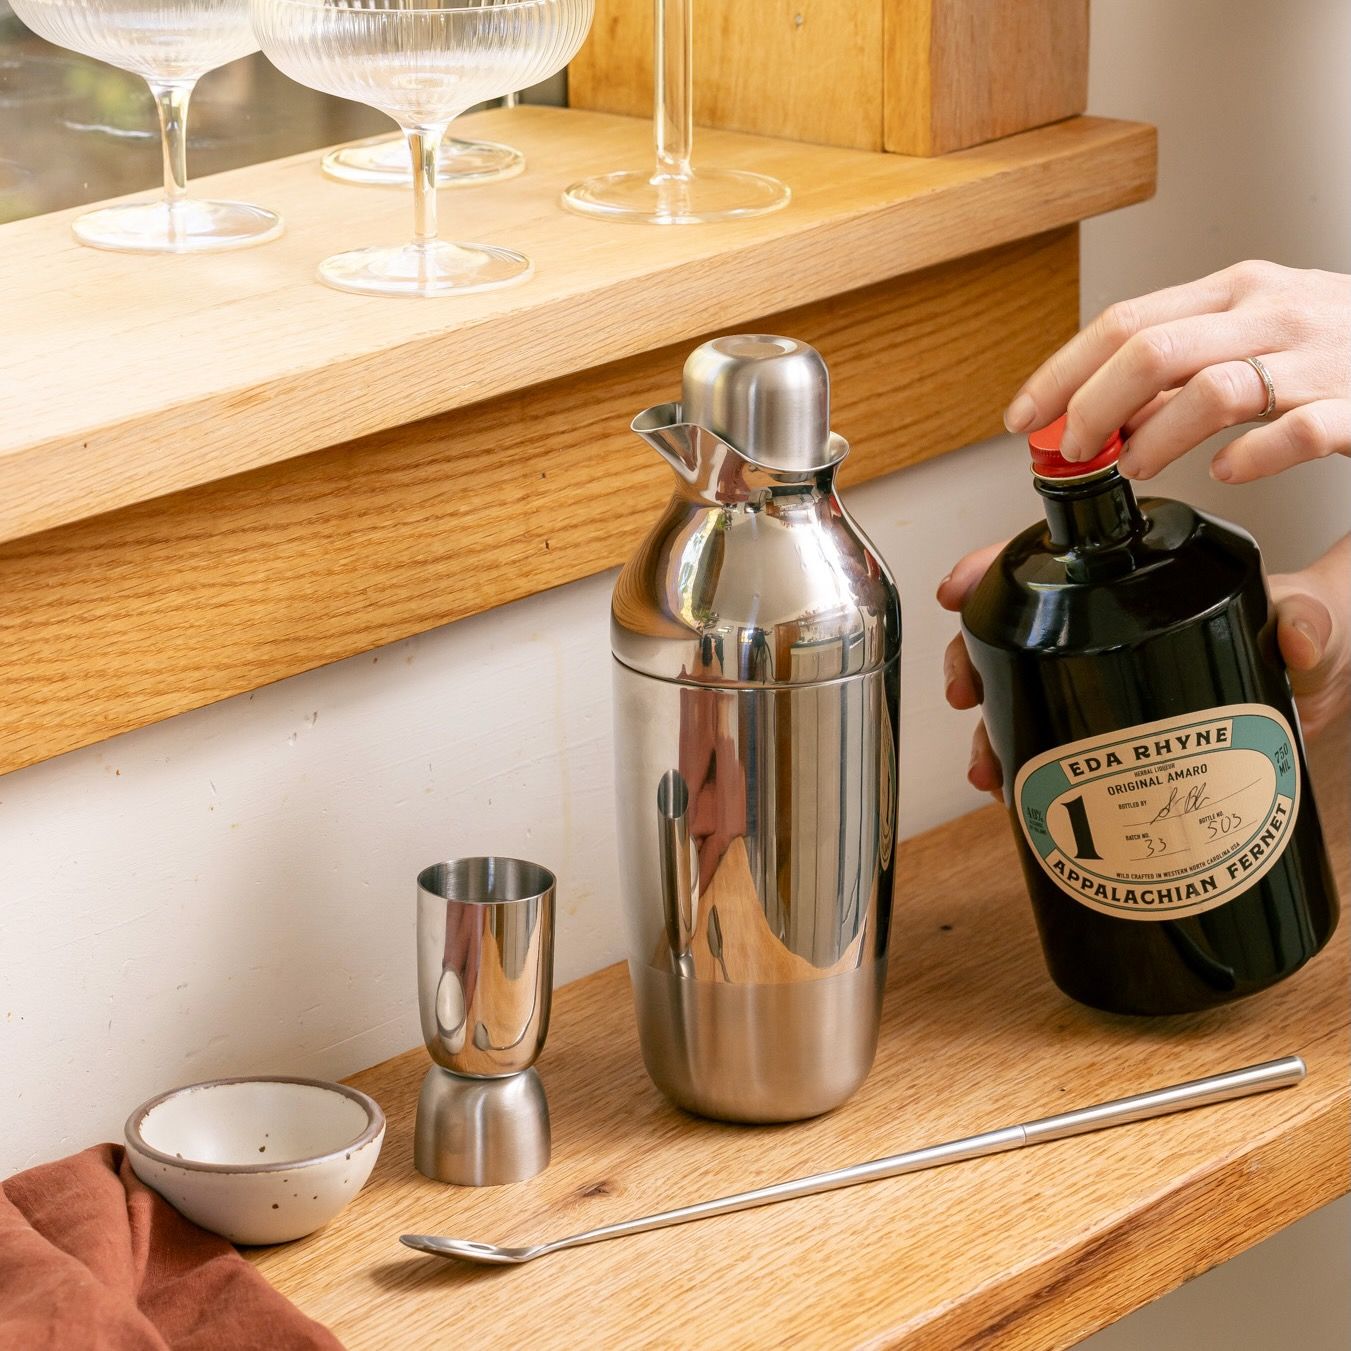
[[92, 1260]]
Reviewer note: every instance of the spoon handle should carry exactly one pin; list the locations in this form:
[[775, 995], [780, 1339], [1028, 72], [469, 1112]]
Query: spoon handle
[[1213, 1088]]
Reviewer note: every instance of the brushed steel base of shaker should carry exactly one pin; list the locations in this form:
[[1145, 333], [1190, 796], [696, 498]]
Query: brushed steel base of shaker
[[481, 1132], [759, 1053]]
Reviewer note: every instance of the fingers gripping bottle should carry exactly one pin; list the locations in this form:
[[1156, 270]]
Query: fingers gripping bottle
[[1152, 760]]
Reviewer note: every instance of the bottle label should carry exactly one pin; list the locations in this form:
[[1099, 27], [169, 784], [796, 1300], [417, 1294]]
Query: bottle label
[[1167, 819]]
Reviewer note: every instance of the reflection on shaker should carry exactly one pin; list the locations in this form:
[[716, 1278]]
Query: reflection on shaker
[[679, 867], [711, 766], [715, 941]]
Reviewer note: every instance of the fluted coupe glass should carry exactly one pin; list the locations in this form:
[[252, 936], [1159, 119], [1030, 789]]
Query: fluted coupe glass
[[423, 62], [382, 161], [171, 44], [674, 192]]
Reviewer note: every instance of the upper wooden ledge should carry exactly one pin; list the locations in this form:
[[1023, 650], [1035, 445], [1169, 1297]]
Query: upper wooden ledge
[[128, 377]]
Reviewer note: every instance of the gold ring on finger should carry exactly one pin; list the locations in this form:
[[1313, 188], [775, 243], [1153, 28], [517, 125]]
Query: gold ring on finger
[[1257, 365]]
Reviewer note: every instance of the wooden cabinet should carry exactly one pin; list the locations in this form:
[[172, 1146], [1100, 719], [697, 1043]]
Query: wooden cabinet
[[918, 77]]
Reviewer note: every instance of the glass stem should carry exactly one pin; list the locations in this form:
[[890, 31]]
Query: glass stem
[[424, 144], [172, 101], [673, 82]]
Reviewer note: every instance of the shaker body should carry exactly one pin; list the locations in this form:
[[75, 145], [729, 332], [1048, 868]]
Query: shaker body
[[756, 834], [757, 637]]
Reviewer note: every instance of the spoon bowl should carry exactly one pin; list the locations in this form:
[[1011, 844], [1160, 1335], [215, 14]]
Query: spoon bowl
[[467, 1250]]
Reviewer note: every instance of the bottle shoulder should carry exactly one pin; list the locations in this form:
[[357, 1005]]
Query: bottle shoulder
[[1182, 565], [785, 590]]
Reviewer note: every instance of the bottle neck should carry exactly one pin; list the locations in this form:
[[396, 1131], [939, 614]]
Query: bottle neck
[[1090, 514]]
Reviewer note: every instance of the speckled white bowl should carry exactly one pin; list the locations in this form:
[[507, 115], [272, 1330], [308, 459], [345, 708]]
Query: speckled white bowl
[[257, 1160]]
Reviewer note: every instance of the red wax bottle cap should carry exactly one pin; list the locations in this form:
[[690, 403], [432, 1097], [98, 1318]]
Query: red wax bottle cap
[[1047, 461]]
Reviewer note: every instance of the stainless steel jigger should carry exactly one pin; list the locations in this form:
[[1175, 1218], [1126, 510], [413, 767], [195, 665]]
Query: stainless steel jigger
[[485, 937]]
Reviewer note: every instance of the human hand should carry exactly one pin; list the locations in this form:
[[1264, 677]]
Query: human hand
[[961, 681], [1313, 611], [1313, 631], [1170, 368]]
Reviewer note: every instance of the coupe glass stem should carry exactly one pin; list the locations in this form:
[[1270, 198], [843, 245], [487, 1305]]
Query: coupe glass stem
[[673, 85], [172, 102], [424, 144]]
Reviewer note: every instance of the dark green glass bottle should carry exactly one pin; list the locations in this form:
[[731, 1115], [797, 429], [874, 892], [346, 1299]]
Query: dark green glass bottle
[[1153, 766]]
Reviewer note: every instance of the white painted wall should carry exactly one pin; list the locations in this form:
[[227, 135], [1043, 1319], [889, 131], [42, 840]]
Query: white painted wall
[[231, 891]]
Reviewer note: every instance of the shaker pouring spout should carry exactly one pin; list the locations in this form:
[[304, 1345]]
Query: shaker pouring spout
[[701, 458], [674, 440]]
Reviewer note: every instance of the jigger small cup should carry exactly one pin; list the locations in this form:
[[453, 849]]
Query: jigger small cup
[[485, 937]]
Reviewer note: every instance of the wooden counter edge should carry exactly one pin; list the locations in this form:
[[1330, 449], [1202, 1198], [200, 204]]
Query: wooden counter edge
[[1137, 1257]]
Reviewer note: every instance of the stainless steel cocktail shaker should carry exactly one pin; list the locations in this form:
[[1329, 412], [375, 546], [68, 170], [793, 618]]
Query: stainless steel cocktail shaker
[[757, 638]]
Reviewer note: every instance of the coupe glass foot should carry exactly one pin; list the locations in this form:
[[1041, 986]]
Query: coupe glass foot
[[382, 161], [702, 196], [436, 269], [185, 226]]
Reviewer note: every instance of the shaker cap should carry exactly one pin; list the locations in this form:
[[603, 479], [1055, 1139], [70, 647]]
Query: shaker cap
[[1048, 462], [754, 576], [767, 396]]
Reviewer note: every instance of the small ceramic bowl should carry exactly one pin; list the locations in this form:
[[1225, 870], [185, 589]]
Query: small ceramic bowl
[[257, 1160]]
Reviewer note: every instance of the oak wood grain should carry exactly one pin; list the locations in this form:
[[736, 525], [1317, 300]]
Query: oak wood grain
[[918, 77], [806, 70], [141, 613], [137, 377], [1029, 1251], [959, 72]]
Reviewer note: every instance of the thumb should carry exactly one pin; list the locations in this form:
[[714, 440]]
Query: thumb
[[1305, 632]]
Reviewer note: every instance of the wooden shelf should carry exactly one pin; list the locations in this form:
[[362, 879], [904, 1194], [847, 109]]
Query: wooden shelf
[[216, 473], [1026, 1252], [140, 376]]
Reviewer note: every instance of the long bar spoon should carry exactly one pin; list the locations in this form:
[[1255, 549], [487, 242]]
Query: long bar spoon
[[1213, 1088]]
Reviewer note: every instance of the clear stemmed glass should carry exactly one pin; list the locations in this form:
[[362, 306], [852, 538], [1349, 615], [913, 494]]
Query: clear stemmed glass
[[382, 161], [171, 44], [675, 192], [423, 62]]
